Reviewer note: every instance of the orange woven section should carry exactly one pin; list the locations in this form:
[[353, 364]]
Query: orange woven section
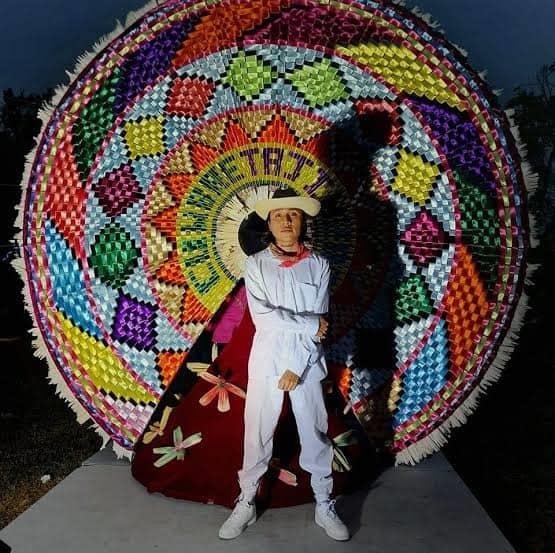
[[170, 271], [467, 306], [193, 310], [223, 25], [178, 185], [169, 363], [235, 137], [166, 222], [189, 97], [278, 131], [202, 156]]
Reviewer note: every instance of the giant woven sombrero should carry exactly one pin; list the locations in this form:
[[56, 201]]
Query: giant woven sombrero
[[152, 158]]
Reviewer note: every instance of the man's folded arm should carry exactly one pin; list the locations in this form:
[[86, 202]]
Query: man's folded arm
[[266, 315], [321, 305]]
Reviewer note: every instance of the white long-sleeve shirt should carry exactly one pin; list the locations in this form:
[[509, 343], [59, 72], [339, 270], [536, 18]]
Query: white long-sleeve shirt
[[285, 304]]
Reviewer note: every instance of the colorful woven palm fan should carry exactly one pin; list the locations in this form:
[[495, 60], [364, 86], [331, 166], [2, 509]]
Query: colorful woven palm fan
[[149, 164]]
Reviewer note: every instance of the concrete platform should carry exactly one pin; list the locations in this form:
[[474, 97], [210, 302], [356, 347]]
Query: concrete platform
[[99, 508]]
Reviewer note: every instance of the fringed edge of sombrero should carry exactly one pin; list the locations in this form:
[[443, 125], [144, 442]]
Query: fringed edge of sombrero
[[434, 441], [46, 111]]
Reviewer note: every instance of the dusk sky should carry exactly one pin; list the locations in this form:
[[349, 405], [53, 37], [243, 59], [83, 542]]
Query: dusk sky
[[40, 39]]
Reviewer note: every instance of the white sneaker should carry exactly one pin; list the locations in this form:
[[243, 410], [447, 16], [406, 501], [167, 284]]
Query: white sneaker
[[329, 520], [243, 515]]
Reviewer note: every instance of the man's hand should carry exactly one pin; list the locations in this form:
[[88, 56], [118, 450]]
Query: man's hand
[[322, 329], [288, 381]]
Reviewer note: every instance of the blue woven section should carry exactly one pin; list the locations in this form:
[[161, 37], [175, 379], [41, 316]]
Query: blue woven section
[[425, 377], [143, 363], [68, 287]]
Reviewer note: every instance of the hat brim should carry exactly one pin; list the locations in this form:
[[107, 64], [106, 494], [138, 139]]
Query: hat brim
[[310, 206]]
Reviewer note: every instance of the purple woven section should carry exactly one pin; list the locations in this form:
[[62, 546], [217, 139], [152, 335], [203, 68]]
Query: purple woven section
[[459, 141], [149, 62], [134, 323], [117, 190]]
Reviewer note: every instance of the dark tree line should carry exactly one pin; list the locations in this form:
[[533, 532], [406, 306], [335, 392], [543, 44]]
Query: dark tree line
[[19, 125], [534, 107]]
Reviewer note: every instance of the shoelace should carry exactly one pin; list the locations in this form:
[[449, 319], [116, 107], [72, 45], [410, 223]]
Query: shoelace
[[330, 509], [238, 501], [234, 514]]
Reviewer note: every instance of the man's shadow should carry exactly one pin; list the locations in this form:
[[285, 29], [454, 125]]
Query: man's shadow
[[351, 148]]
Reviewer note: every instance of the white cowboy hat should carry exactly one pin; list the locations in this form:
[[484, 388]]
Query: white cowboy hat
[[283, 198]]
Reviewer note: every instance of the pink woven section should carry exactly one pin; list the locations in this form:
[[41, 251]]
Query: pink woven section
[[231, 316]]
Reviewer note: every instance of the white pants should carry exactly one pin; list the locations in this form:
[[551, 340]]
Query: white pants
[[263, 406]]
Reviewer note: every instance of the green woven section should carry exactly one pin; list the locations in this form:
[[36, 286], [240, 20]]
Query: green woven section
[[90, 129], [480, 229], [114, 255], [320, 83], [249, 75], [412, 301]]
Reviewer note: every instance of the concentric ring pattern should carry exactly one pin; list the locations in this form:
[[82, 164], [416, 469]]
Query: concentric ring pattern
[[160, 146]]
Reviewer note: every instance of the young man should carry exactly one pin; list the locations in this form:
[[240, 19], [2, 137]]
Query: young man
[[287, 293]]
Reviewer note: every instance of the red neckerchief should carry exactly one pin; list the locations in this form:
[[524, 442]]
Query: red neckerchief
[[288, 259]]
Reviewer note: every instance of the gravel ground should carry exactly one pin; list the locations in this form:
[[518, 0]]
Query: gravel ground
[[39, 435]]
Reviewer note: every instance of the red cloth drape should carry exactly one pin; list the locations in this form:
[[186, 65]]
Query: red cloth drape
[[208, 472]]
